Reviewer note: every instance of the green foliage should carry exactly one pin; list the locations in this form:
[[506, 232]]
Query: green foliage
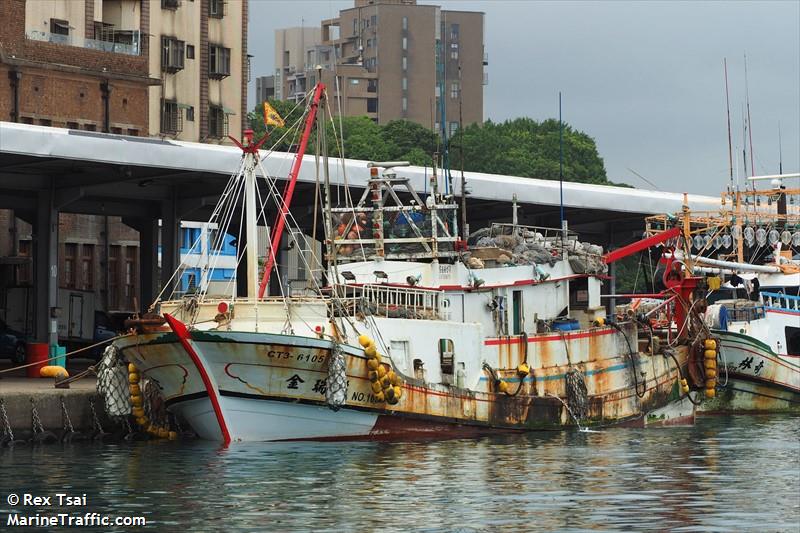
[[519, 147]]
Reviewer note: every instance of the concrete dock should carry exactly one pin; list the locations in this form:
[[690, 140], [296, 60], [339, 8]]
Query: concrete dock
[[17, 391]]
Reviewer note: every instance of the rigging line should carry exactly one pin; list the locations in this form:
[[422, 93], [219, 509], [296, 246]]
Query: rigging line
[[241, 251], [273, 194], [175, 272], [339, 140]]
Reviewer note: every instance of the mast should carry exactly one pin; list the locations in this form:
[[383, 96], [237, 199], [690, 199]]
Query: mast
[[749, 122], [728, 106], [251, 218]]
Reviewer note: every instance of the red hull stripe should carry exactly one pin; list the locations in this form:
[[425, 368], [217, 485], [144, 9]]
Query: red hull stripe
[[782, 312], [567, 336], [183, 336]]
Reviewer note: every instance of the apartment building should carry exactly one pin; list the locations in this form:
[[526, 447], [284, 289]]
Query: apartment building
[[265, 88], [200, 56], [394, 59], [292, 64]]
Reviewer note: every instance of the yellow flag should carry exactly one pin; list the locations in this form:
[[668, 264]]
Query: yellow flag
[[271, 117]]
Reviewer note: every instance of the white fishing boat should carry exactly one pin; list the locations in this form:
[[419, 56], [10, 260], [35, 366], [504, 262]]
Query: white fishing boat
[[413, 332], [754, 308]]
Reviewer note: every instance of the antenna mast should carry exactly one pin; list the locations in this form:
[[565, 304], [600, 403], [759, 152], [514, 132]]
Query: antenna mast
[[728, 106], [749, 122]]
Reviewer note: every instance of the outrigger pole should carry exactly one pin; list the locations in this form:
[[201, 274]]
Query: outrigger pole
[[280, 221]]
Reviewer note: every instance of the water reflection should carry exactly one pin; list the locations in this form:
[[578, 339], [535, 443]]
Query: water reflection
[[723, 474]]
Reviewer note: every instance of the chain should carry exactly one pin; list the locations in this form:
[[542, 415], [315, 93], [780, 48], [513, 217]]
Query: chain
[[128, 426], [95, 421], [7, 432], [65, 418], [35, 420]]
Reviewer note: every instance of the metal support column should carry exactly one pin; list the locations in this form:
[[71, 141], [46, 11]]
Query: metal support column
[[148, 263], [170, 248], [46, 271]]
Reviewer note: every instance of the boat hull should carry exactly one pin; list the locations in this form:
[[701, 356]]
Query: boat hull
[[758, 380], [272, 387]]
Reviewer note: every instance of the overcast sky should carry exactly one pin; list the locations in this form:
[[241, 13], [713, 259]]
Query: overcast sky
[[644, 79]]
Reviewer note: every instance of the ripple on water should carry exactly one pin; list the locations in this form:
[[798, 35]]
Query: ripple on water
[[737, 473]]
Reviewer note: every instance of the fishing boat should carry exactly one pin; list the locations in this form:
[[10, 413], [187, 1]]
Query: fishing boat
[[411, 329], [754, 308]]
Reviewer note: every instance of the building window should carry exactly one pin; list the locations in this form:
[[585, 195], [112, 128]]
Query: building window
[[103, 31], [170, 4], [372, 105], [90, 127], [219, 61], [190, 113], [405, 63], [189, 51], [405, 104], [73, 126], [405, 23], [454, 89], [87, 267], [372, 86], [171, 122], [404, 83], [131, 253], [70, 251], [405, 43], [354, 81], [453, 128], [59, 27], [133, 132], [24, 271], [453, 50], [172, 54], [355, 26], [113, 276], [373, 20], [454, 31], [217, 122], [216, 8]]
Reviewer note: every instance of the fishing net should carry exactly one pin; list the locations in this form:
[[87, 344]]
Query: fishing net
[[577, 395], [336, 383], [112, 383]]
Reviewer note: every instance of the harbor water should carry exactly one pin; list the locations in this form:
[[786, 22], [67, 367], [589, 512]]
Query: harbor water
[[724, 474]]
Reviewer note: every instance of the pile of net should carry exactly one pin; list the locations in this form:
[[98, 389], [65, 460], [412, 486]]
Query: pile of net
[[532, 248]]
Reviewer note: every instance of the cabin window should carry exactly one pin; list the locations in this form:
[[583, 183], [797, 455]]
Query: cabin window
[[517, 319], [579, 293], [446, 356], [400, 352], [792, 340]]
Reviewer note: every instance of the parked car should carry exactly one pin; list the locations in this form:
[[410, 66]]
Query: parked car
[[12, 344]]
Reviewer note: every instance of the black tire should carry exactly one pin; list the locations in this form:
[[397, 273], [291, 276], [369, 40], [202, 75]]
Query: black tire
[[19, 355]]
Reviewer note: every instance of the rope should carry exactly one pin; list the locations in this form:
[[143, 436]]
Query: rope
[[65, 355]]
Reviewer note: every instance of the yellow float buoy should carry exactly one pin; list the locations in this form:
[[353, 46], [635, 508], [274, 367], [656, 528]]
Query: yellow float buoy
[[711, 383], [381, 371], [502, 386], [142, 420], [53, 371], [391, 401], [710, 354], [389, 393], [376, 387], [380, 396], [373, 364], [364, 341], [136, 400], [384, 381], [138, 412], [710, 364], [398, 392], [132, 368], [523, 370], [133, 378], [711, 373], [370, 351], [173, 435], [373, 376], [396, 381], [135, 389], [710, 344], [163, 433], [710, 393]]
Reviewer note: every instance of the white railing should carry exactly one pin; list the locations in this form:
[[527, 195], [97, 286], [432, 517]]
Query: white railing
[[390, 301], [82, 42], [777, 300]]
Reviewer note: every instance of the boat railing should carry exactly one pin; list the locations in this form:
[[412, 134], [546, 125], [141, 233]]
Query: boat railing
[[745, 314], [389, 301], [780, 301]]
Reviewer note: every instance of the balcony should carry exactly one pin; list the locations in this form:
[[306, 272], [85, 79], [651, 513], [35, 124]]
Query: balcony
[[82, 42]]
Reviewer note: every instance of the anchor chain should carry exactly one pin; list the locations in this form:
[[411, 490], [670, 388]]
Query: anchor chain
[[96, 426], [36, 422], [8, 433], [336, 382], [67, 423]]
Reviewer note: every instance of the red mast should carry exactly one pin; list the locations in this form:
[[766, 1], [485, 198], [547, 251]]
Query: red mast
[[280, 222]]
